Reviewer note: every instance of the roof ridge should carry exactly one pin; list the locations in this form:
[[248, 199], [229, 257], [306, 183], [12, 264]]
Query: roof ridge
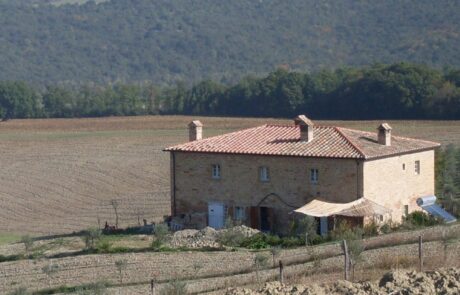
[[214, 137], [396, 136], [339, 131]]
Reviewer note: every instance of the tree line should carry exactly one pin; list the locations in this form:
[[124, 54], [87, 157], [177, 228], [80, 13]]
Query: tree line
[[396, 91]]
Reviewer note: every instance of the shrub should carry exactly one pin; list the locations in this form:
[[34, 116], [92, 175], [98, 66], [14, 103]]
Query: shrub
[[28, 242], [174, 288], [161, 232], [371, 229], [344, 231], [290, 242], [231, 237], [104, 246], [418, 219], [386, 228], [258, 241], [306, 229]]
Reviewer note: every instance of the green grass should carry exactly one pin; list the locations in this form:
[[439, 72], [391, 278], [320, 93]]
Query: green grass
[[7, 238]]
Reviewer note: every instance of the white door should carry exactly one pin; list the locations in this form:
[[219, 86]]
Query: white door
[[216, 215]]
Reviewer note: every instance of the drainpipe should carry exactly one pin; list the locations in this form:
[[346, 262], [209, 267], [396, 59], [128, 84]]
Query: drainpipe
[[358, 195], [174, 211]]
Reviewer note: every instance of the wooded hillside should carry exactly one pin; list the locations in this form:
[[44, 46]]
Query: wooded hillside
[[165, 41]]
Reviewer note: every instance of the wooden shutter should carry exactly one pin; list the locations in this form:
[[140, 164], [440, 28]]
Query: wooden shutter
[[254, 216]]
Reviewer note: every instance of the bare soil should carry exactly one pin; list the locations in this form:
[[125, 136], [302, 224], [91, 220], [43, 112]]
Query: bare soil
[[61, 175], [442, 281]]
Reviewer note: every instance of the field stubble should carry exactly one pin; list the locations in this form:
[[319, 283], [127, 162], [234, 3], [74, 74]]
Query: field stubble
[[60, 175]]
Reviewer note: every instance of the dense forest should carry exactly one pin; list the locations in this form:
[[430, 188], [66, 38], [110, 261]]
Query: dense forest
[[167, 41], [396, 91]]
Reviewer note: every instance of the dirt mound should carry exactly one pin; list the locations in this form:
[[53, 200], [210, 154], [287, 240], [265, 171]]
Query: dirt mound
[[444, 281], [207, 237]]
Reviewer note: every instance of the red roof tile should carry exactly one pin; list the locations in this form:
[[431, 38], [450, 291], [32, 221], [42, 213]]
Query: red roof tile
[[284, 140]]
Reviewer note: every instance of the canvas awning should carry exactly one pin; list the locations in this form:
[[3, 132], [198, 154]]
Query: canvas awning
[[359, 208]]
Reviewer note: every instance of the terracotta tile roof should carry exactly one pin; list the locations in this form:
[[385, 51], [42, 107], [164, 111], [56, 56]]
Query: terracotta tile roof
[[284, 140]]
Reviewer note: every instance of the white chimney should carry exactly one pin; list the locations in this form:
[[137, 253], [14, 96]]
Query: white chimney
[[195, 130], [306, 128], [384, 135]]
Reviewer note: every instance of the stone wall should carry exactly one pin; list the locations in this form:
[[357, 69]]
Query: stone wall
[[239, 184], [387, 183]]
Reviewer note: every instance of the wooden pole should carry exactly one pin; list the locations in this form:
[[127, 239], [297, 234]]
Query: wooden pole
[[347, 260], [281, 272], [420, 253]]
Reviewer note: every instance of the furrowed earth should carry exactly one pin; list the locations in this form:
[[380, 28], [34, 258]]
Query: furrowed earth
[[65, 175]]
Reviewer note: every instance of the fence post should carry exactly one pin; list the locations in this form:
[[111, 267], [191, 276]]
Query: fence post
[[281, 272], [347, 263], [420, 253], [152, 287]]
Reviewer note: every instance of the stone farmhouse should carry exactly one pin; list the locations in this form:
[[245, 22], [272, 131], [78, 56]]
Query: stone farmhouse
[[260, 176]]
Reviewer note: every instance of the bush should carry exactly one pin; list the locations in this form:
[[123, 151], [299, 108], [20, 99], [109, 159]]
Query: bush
[[104, 246], [419, 219], [371, 229], [386, 228], [231, 237], [160, 232], [344, 231], [258, 241]]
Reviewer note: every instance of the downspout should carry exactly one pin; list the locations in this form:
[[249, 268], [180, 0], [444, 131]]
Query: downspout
[[358, 195], [174, 211]]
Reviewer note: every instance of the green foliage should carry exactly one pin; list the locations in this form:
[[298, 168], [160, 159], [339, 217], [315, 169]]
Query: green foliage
[[399, 91], [265, 241], [345, 231], [161, 235], [174, 288], [371, 229], [419, 219], [231, 237], [104, 246], [168, 41]]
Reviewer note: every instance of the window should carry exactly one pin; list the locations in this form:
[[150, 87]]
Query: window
[[239, 213], [264, 174], [404, 166], [216, 171], [417, 167], [314, 175]]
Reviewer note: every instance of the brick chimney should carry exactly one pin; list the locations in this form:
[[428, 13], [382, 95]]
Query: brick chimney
[[384, 134], [195, 130], [306, 128]]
